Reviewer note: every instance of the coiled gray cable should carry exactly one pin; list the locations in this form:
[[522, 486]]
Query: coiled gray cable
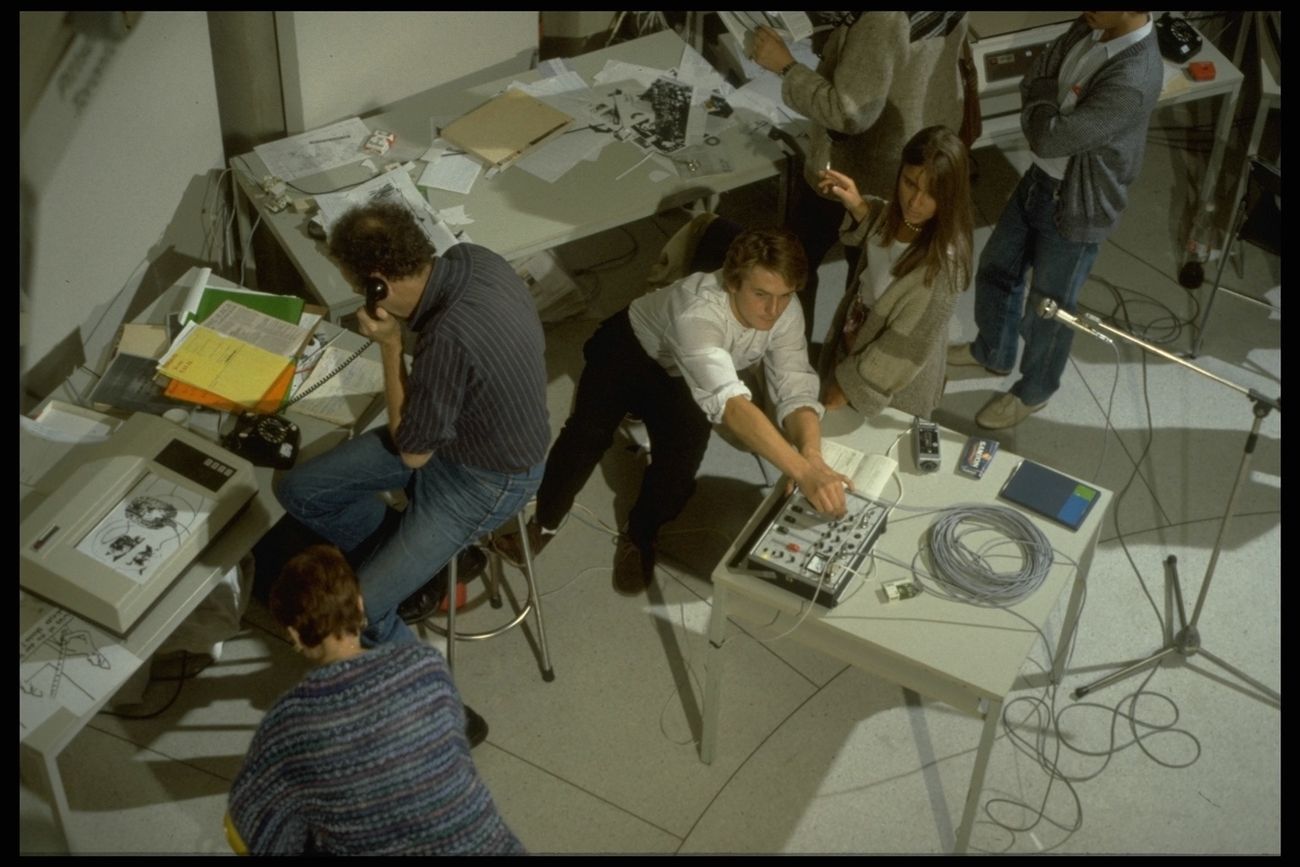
[[967, 569]]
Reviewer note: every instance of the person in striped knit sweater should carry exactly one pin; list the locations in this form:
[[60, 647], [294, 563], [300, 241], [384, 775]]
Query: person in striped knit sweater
[[368, 754]]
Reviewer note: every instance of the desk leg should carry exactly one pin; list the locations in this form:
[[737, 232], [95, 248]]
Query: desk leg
[[1068, 626], [43, 774], [1204, 214], [977, 776], [713, 682], [1071, 621]]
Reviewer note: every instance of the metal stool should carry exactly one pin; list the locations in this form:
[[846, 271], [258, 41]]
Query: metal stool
[[494, 577]]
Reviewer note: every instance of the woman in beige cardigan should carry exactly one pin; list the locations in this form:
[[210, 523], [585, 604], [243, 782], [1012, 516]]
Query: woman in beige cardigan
[[888, 341]]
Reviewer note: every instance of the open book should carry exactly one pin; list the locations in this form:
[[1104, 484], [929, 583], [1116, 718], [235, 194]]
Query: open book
[[869, 473]]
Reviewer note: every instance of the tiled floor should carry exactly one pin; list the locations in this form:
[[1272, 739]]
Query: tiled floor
[[815, 756]]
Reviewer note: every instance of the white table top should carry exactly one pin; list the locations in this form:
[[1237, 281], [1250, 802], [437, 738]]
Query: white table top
[[956, 652], [515, 213]]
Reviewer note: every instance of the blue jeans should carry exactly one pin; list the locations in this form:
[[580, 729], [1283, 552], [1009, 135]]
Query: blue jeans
[[449, 506], [1026, 237]]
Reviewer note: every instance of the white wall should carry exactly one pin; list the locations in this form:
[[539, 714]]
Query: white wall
[[343, 64], [111, 189]]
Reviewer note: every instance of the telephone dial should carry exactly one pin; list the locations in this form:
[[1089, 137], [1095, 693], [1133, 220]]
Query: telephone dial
[[265, 440]]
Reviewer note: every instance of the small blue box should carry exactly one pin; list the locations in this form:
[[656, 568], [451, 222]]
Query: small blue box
[[976, 456]]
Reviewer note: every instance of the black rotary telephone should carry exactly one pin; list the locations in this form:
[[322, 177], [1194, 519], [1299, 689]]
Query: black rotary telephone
[[265, 440], [1177, 39]]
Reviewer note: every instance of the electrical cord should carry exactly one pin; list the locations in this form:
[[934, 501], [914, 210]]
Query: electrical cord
[[180, 683], [968, 572], [243, 262], [1105, 413]]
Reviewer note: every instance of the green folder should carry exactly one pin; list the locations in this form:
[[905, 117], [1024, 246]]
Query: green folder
[[287, 308]]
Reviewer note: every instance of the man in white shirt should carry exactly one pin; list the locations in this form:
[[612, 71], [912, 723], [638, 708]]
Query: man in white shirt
[[672, 358]]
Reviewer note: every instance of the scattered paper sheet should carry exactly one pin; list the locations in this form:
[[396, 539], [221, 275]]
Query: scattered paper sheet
[[793, 26], [146, 527], [345, 396], [452, 172], [617, 70], [698, 72], [552, 160], [456, 216], [388, 187], [564, 82], [316, 151], [65, 662], [554, 66], [1176, 81], [751, 71]]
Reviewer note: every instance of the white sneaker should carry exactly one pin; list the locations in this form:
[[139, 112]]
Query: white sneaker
[[959, 355], [1004, 411], [635, 430]]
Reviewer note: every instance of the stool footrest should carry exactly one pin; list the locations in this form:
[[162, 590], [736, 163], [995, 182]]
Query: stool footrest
[[491, 633]]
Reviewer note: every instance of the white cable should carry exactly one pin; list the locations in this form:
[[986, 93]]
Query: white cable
[[967, 570]]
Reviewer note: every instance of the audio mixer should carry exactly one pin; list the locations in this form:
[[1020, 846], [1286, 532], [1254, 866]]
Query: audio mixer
[[813, 555]]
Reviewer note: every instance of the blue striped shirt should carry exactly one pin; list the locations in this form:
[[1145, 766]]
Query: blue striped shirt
[[476, 393], [368, 756]]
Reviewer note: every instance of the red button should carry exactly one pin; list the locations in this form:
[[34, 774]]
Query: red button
[[792, 546]]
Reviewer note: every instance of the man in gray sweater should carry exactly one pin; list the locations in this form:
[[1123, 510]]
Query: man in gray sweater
[[1086, 103]]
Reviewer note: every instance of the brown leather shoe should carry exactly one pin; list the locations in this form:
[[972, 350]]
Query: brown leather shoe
[[511, 546], [634, 567]]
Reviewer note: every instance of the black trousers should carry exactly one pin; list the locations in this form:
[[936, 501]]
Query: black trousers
[[619, 378]]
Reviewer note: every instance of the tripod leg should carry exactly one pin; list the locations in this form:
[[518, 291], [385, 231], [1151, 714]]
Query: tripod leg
[[1171, 575], [1122, 673], [1275, 697], [1242, 471]]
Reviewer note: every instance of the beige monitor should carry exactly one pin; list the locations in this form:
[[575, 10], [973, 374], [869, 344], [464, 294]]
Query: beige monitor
[[129, 520]]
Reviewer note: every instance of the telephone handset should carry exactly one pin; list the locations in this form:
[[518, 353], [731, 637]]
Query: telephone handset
[[376, 291]]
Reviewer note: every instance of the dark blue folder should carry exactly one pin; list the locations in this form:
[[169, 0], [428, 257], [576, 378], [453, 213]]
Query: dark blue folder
[[1051, 494]]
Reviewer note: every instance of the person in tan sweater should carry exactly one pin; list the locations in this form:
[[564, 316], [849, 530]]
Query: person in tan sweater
[[882, 77], [887, 346]]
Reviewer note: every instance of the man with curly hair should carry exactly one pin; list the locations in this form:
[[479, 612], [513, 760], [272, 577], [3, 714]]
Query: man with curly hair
[[467, 423]]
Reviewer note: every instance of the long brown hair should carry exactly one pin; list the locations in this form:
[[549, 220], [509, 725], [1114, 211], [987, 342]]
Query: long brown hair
[[948, 235]]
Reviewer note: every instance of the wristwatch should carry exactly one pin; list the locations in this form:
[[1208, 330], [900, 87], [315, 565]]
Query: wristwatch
[[789, 66]]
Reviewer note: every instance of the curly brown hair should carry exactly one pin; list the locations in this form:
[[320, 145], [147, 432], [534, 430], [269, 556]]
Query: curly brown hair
[[776, 250], [382, 238], [316, 594]]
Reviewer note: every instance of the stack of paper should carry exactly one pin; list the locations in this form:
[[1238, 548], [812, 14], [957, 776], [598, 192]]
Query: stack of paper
[[238, 358], [202, 301]]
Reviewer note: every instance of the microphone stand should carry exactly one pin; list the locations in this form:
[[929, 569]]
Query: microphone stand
[[1187, 640]]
